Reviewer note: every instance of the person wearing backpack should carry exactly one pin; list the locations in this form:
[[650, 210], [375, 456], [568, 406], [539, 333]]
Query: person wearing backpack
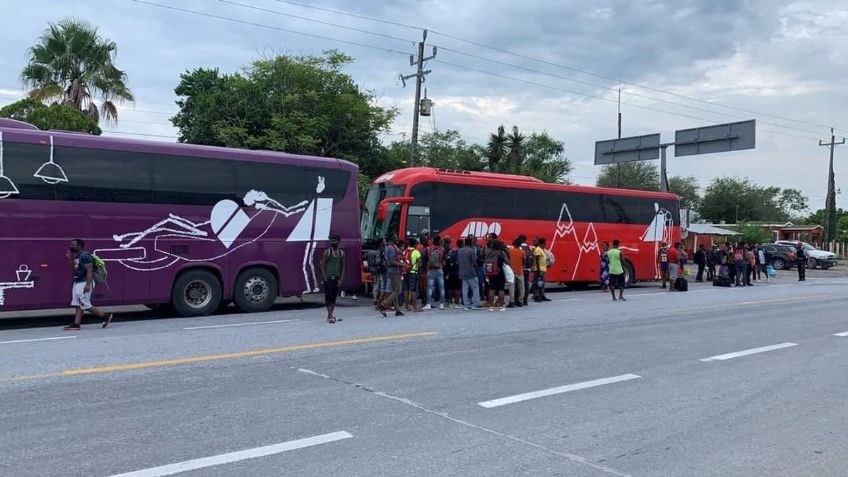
[[528, 267], [453, 285], [435, 272], [540, 261], [377, 266], [82, 265], [739, 264]]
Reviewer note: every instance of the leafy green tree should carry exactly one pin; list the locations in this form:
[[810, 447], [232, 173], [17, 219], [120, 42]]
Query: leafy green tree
[[640, 175], [72, 64], [740, 200], [753, 233], [544, 159], [56, 116], [688, 190], [818, 218], [447, 149], [297, 104]]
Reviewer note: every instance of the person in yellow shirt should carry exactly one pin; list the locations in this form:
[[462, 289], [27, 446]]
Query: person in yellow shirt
[[616, 271], [540, 263], [411, 284]]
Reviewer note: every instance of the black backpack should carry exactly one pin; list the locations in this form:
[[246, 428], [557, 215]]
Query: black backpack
[[377, 263], [528, 257], [452, 261], [681, 284]]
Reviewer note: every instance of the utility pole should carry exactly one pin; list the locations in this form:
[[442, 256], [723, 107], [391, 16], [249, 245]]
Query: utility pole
[[419, 75], [830, 202], [618, 166]]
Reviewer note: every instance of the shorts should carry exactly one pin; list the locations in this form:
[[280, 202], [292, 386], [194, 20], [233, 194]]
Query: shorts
[[664, 267], [79, 298], [616, 280], [331, 291], [497, 283], [410, 282], [453, 282], [673, 271]]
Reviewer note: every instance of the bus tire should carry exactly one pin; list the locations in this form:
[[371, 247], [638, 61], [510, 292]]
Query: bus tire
[[629, 276], [196, 293], [255, 290]]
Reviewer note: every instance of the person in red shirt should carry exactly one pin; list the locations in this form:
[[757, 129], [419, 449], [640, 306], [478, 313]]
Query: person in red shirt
[[673, 265]]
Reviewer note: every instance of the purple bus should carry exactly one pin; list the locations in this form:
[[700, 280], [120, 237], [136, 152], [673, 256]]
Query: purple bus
[[195, 227]]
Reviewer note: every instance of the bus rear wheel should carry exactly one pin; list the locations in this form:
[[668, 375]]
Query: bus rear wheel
[[196, 293], [255, 290], [629, 276]]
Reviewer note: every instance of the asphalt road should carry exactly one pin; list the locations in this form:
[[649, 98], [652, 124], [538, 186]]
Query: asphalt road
[[713, 382]]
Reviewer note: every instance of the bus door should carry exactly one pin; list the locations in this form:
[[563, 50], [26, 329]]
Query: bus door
[[417, 219]]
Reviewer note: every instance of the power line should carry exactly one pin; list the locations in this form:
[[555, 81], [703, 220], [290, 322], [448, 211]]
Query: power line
[[277, 12], [270, 27], [551, 63], [651, 98], [579, 93]]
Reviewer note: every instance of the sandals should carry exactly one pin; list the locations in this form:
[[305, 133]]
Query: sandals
[[331, 320]]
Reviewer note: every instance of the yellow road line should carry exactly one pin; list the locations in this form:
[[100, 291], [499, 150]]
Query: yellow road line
[[217, 357]]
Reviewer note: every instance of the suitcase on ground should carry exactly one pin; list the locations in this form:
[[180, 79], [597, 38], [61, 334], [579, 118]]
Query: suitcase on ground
[[681, 284]]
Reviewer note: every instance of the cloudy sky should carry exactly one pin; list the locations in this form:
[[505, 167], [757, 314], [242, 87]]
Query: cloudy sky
[[780, 62]]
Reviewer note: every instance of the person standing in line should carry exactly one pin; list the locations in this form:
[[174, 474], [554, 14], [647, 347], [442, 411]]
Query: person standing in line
[[379, 273], [752, 261], [467, 258], [435, 273], [332, 271], [82, 267], [801, 262], [700, 260], [604, 278], [412, 260], [763, 260], [496, 259], [541, 263], [616, 270], [662, 259], [730, 259], [528, 267], [453, 285], [516, 262], [673, 268], [394, 272]]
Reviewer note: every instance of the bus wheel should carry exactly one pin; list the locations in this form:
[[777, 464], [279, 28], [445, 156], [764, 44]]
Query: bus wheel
[[629, 276], [256, 290], [196, 293]]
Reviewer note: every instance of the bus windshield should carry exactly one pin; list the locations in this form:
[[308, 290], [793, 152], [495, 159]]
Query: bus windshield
[[371, 227]]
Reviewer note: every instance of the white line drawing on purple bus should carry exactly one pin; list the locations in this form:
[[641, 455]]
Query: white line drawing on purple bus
[[22, 275], [313, 227], [227, 221], [659, 230], [50, 172], [7, 187]]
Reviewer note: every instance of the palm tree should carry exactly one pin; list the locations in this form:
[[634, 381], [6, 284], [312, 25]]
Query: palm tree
[[71, 64], [496, 149], [515, 158]]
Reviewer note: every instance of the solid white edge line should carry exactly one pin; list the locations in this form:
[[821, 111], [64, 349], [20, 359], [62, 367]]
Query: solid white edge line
[[232, 325], [231, 457], [843, 334], [557, 390], [747, 352], [38, 339]]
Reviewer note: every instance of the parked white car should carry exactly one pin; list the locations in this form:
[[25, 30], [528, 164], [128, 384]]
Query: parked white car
[[815, 257]]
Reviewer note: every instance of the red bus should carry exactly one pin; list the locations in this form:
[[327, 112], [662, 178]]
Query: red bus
[[574, 220]]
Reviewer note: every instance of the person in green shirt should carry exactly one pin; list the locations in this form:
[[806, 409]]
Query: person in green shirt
[[411, 279], [616, 270], [332, 269]]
